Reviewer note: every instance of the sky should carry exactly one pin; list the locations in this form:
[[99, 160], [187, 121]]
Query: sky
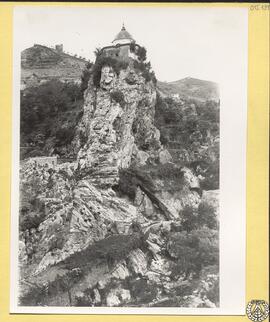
[[204, 43]]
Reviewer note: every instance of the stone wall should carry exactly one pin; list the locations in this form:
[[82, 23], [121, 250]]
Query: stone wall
[[119, 51], [50, 161]]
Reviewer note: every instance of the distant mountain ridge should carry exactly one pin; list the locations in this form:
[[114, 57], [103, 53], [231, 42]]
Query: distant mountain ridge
[[40, 64], [189, 87]]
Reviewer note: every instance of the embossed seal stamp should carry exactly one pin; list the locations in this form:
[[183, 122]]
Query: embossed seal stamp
[[257, 310]]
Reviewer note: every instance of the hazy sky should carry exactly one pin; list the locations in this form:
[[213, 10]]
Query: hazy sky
[[205, 43]]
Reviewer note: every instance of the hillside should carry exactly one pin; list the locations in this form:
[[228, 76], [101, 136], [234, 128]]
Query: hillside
[[40, 64], [191, 88]]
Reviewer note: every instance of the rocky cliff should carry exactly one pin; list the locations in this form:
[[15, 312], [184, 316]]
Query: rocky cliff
[[104, 229]]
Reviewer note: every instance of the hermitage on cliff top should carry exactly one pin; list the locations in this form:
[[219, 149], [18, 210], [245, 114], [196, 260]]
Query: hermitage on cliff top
[[123, 46]]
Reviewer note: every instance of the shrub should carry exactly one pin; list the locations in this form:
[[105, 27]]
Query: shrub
[[101, 61], [38, 294], [117, 247], [207, 216], [194, 250], [64, 135], [83, 138], [143, 291], [211, 181], [194, 219], [35, 296], [141, 53], [32, 213], [30, 220], [118, 97], [145, 68], [128, 183], [166, 171], [189, 219], [85, 299], [112, 248], [86, 74], [130, 179], [132, 46]]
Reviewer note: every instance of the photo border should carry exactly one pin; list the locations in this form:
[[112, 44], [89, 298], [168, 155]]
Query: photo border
[[257, 159]]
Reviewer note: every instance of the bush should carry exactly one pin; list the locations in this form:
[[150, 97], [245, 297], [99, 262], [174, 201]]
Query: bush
[[194, 250], [101, 61], [64, 136], [86, 74], [113, 248], [117, 247], [194, 219], [32, 213], [131, 178], [38, 294], [30, 220], [145, 69], [35, 296], [118, 97], [207, 216], [143, 291], [211, 181], [141, 53], [132, 46], [166, 171], [189, 219], [83, 138]]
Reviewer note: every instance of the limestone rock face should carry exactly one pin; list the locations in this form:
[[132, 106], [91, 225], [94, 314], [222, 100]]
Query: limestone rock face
[[109, 127], [107, 76]]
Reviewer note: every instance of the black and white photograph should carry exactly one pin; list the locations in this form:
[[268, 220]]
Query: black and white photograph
[[128, 160]]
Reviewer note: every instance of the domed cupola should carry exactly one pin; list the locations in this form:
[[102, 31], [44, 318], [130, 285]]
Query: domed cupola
[[123, 37]]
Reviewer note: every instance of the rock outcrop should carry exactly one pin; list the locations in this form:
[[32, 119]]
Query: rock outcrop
[[88, 217]]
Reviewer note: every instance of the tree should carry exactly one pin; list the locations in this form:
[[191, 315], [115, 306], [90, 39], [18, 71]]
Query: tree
[[97, 52]]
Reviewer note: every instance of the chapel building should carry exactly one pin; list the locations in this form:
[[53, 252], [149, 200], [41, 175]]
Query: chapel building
[[123, 46]]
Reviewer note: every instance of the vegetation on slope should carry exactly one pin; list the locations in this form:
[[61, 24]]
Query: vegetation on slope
[[191, 88], [49, 115], [189, 129]]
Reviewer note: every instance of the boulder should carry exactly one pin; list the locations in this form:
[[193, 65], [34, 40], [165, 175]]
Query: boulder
[[118, 296], [137, 262], [143, 203], [121, 271], [164, 156]]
